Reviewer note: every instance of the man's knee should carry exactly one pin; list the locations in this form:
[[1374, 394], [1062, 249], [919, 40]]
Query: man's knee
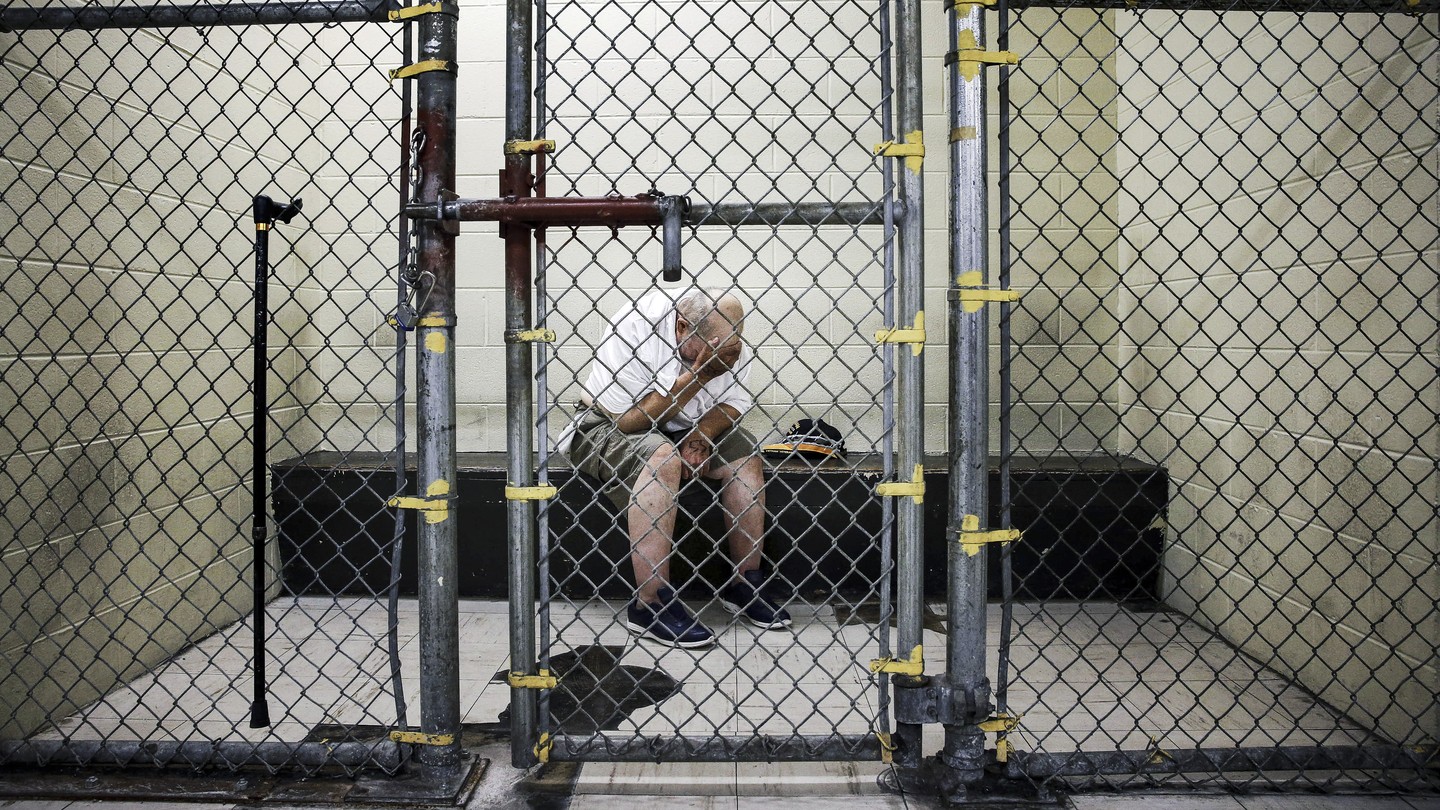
[[665, 463]]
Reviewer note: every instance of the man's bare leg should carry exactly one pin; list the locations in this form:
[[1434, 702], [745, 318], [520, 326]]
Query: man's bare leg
[[652, 521], [742, 494]]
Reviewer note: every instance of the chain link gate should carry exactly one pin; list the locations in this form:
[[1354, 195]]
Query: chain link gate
[[791, 212], [135, 142], [1219, 393]]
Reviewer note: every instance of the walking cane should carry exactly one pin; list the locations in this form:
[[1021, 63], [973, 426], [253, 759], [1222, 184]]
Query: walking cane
[[266, 212]]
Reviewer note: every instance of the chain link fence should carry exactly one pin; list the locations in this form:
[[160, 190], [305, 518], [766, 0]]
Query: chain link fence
[[130, 160], [765, 115], [1225, 224]]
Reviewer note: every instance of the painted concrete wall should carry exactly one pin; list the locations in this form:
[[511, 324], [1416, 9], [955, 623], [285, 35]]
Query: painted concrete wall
[[1278, 312], [129, 161]]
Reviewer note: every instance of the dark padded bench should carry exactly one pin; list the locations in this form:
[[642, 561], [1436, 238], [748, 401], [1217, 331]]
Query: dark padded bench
[[1089, 528]]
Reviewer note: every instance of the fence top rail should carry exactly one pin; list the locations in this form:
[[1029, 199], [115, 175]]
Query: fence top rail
[[200, 15], [1412, 7]]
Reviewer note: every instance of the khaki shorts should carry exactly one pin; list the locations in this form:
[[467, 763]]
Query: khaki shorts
[[615, 459]]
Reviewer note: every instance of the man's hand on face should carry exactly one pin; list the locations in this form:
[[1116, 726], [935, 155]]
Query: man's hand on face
[[712, 361], [695, 450]]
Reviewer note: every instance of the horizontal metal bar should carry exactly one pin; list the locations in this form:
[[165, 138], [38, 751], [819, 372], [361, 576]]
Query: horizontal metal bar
[[384, 755], [1216, 760], [831, 748], [612, 212], [1285, 6], [268, 12], [646, 210], [805, 213]]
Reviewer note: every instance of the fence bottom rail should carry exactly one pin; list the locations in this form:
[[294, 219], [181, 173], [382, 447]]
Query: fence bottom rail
[[1160, 762], [806, 748], [385, 756]]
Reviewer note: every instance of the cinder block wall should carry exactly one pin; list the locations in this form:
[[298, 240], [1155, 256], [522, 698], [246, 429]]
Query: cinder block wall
[[128, 166], [1278, 342], [814, 295]]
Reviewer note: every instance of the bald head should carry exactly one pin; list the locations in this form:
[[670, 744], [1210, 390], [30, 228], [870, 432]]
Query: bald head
[[713, 314], [709, 317]]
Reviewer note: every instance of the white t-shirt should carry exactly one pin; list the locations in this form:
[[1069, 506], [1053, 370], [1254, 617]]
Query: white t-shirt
[[639, 355]]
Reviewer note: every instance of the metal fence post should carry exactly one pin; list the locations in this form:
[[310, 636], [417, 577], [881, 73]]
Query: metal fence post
[[435, 404], [909, 377], [519, 379], [964, 749]]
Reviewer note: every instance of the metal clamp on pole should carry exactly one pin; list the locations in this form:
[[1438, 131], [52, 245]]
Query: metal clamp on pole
[[914, 335], [969, 56], [972, 538], [435, 505], [913, 666], [421, 738], [1001, 724], [912, 149], [530, 336], [973, 295], [542, 680], [412, 12], [672, 213], [541, 492], [426, 66], [914, 488], [964, 6], [529, 147]]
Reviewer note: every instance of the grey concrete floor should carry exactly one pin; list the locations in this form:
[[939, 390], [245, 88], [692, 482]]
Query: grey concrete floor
[[1149, 801], [1087, 677]]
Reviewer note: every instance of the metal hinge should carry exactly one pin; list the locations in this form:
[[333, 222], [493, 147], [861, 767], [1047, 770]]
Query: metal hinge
[[540, 492], [435, 504], [541, 680], [529, 147], [914, 665], [973, 295], [970, 57], [1000, 723], [912, 149], [963, 6], [427, 66], [914, 335], [972, 539], [421, 738], [411, 12], [914, 488], [530, 336], [887, 747]]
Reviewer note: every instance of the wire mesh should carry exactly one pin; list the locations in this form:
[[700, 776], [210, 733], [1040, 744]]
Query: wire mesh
[[730, 103], [1223, 392], [130, 160]]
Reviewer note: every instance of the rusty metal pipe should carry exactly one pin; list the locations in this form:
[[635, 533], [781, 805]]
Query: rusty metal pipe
[[613, 212]]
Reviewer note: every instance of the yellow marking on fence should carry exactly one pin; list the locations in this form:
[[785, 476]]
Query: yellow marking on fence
[[914, 665], [972, 539], [912, 149], [914, 335], [914, 488]]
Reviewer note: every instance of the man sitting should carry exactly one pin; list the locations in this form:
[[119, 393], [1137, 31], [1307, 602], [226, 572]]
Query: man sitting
[[662, 405]]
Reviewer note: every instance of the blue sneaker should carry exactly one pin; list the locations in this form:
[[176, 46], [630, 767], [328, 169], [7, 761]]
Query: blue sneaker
[[668, 622], [748, 599]]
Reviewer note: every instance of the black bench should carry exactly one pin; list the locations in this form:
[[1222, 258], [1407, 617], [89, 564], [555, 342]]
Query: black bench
[[1091, 528]]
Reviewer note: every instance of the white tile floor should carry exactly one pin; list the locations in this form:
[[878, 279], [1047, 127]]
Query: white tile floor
[[1141, 679]]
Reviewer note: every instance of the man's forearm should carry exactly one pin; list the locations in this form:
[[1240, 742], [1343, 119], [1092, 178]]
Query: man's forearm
[[717, 420], [656, 408]]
